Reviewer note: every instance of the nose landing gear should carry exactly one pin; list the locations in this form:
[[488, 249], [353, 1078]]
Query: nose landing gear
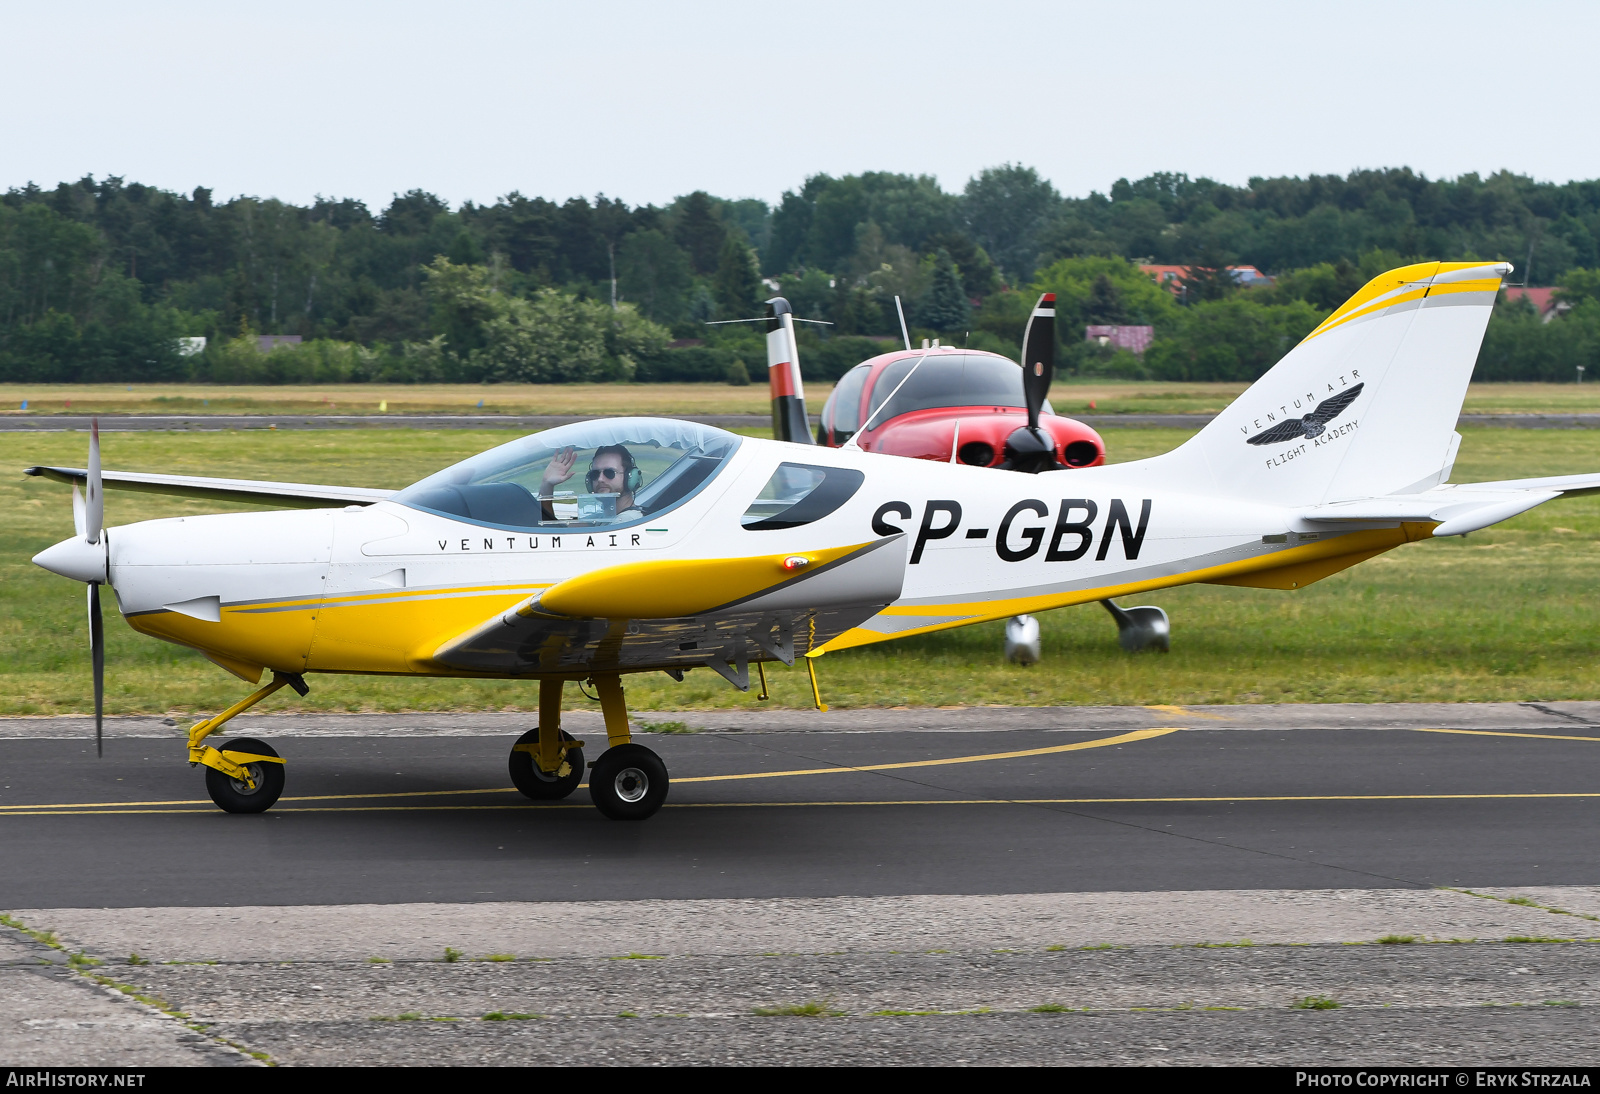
[[259, 782], [245, 775]]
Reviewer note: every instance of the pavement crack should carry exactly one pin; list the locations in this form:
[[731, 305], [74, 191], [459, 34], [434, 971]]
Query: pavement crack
[[1553, 712]]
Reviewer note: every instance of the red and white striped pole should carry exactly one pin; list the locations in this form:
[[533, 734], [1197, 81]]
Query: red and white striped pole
[[789, 421]]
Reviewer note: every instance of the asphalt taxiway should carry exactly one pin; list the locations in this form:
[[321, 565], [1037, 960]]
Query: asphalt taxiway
[[1157, 884], [1177, 803]]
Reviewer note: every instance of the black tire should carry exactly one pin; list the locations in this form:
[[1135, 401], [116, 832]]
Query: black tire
[[232, 795], [628, 782], [535, 784]]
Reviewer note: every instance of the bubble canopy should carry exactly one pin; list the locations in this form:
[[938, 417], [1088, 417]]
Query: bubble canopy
[[611, 473]]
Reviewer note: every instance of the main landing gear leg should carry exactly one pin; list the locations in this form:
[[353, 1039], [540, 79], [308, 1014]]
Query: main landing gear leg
[[245, 775], [628, 781], [547, 764]]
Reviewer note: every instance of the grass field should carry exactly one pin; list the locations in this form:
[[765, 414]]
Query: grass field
[[1069, 396], [1508, 613], [200, 399]]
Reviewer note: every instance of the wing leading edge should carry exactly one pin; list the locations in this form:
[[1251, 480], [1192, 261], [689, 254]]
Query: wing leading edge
[[292, 495]]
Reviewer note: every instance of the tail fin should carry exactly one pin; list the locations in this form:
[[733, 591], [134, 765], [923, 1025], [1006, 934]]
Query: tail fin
[[789, 421], [1366, 405]]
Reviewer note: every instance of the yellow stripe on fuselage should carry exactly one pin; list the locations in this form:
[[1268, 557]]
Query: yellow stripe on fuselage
[[1355, 545]]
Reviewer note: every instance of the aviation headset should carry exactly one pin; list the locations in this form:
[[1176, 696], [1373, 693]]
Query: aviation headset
[[633, 478]]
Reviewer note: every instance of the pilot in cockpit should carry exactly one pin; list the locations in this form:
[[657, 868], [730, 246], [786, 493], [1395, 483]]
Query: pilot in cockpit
[[612, 471]]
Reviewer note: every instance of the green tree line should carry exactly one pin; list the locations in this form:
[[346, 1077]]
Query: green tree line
[[100, 278]]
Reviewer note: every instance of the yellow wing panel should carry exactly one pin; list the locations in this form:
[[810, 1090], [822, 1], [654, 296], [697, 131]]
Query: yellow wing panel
[[675, 588]]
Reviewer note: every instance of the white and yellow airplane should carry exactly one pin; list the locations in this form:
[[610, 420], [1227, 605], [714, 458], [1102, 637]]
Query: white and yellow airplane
[[688, 547]]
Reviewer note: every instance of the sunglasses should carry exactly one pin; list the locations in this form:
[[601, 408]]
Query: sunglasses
[[608, 473]]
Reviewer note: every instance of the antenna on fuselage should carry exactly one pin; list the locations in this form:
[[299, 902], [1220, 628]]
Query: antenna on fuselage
[[905, 335]]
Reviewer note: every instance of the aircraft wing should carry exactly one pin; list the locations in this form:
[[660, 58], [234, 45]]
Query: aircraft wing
[[291, 495], [675, 614]]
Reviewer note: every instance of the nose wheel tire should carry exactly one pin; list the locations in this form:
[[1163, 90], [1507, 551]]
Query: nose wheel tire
[[628, 782], [537, 784], [237, 796]]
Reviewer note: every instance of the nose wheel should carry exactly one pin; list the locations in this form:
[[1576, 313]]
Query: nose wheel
[[263, 781]]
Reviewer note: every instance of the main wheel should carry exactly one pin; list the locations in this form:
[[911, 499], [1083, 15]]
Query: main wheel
[[535, 784], [628, 782], [233, 794]]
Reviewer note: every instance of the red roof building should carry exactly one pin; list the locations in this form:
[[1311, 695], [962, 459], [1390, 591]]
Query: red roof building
[[1543, 300], [1246, 277]]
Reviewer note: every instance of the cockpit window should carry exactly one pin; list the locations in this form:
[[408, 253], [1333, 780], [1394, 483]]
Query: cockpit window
[[841, 415], [947, 379], [798, 493], [609, 473]]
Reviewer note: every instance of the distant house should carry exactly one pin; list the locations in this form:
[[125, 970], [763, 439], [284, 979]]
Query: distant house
[[268, 342], [188, 347], [1543, 300], [1134, 339], [1167, 276], [1246, 277]]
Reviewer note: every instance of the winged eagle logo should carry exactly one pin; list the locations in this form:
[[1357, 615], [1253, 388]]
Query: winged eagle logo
[[1309, 425]]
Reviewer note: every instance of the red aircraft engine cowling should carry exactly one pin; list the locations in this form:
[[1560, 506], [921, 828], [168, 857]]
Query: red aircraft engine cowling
[[929, 410], [981, 439]]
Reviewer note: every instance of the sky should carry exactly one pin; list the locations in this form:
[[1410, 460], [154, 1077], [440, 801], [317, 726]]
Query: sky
[[645, 101]]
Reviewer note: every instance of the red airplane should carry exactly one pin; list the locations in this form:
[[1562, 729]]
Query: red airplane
[[955, 406], [952, 405]]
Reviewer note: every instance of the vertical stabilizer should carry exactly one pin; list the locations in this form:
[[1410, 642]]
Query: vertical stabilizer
[[783, 375], [1365, 406]]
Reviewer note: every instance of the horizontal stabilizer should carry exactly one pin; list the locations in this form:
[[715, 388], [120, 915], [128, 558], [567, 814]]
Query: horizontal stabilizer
[[1569, 486], [1455, 509], [293, 495]]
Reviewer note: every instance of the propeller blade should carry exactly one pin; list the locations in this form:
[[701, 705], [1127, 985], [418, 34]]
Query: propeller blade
[[95, 505], [97, 655], [1030, 448], [1039, 356], [80, 514]]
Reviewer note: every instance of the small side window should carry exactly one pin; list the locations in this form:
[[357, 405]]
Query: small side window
[[800, 493]]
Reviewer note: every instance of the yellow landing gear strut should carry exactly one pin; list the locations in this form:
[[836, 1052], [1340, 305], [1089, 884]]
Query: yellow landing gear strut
[[244, 775], [627, 782]]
